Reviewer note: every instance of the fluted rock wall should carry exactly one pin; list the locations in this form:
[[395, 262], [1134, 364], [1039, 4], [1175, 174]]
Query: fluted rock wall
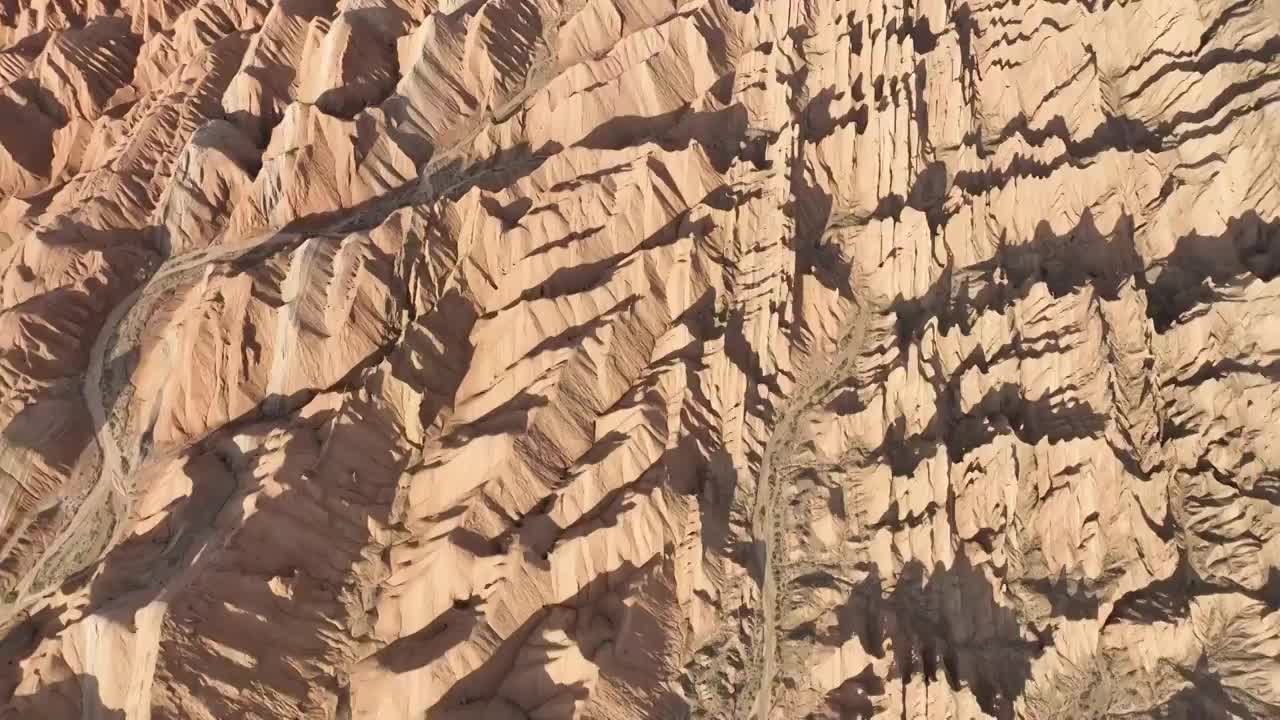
[[382, 359]]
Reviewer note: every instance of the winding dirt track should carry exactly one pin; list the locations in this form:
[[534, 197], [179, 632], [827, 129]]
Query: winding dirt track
[[765, 532], [110, 484], [94, 393]]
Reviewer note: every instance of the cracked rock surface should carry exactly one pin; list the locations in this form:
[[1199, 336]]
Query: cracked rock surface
[[627, 359]]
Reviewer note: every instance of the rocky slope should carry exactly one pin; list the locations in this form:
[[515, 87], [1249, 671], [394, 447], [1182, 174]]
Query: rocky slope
[[550, 359]]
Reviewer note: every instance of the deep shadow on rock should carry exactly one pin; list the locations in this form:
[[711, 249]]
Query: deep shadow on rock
[[940, 626]]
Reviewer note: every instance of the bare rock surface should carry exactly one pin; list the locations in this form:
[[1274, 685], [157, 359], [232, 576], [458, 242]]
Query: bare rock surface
[[608, 359]]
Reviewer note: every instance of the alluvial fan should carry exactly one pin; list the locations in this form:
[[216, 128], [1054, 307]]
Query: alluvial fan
[[630, 359]]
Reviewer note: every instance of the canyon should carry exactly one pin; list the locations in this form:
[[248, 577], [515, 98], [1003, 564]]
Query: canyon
[[609, 359]]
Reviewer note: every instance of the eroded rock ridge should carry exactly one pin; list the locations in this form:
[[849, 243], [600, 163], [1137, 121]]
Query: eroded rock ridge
[[551, 359]]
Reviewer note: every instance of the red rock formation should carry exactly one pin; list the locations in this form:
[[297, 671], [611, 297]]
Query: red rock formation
[[558, 359]]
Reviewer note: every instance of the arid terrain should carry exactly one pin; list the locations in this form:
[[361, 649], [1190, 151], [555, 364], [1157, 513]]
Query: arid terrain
[[639, 359]]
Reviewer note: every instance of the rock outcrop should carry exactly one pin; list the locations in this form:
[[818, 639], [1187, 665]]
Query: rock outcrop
[[550, 359]]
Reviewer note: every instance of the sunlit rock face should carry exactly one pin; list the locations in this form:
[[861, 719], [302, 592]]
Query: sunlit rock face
[[631, 359]]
